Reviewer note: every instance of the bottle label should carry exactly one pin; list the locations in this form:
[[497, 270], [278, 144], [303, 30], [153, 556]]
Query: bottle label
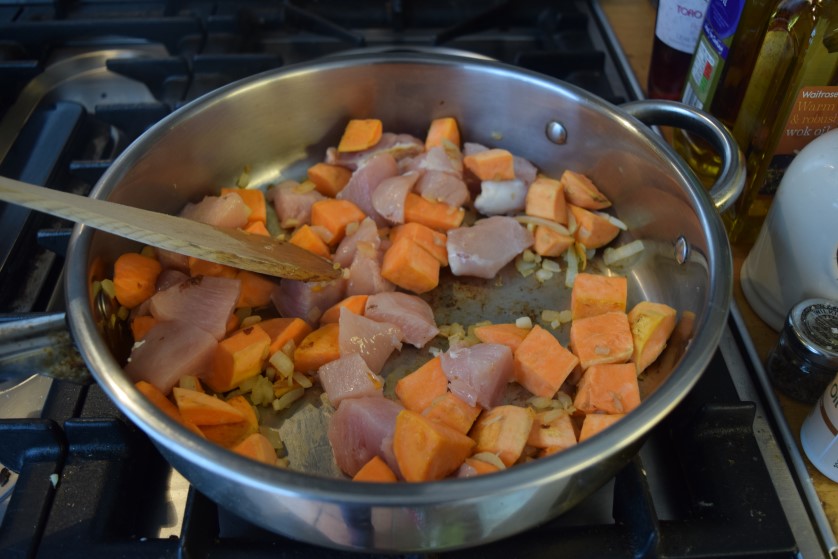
[[711, 51], [679, 23]]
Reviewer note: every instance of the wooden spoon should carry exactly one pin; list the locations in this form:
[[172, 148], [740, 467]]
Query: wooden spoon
[[223, 246]]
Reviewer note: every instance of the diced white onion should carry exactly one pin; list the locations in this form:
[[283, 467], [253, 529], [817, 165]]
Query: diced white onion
[[551, 265], [287, 399], [572, 268], [302, 380], [283, 363], [490, 458], [614, 221], [549, 316], [543, 275], [524, 322], [611, 256], [549, 223]]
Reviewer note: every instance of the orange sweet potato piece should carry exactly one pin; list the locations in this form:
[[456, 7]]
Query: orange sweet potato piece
[[258, 447], [318, 348], [255, 289], [254, 199], [375, 471], [551, 243], [453, 411], [410, 267], [360, 134], [432, 241], [283, 330], [418, 389], [491, 165], [256, 228], [507, 334], [441, 129], [305, 237], [604, 338], [205, 409], [610, 388], [354, 303], [428, 450], [541, 363], [436, 215], [201, 267], [335, 215], [237, 358], [580, 191], [165, 405], [135, 278], [597, 422], [328, 179], [552, 429], [503, 431], [675, 348], [140, 325], [592, 230], [595, 294], [545, 198], [229, 435], [651, 324]]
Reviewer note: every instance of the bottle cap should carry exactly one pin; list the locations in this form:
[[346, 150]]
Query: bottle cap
[[812, 326]]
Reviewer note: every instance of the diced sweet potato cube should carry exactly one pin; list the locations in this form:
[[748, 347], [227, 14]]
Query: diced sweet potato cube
[[165, 405], [283, 330], [229, 435], [491, 165], [411, 267], [258, 447], [237, 358], [436, 215], [328, 179], [651, 324], [551, 243], [427, 238], [545, 198], [453, 411], [552, 429], [318, 348], [335, 216], [503, 431], [480, 467], [205, 409], [604, 338], [580, 191], [255, 289], [441, 130], [595, 294], [541, 363], [507, 334], [592, 230], [354, 303], [375, 471], [597, 422], [428, 450], [610, 388], [421, 387], [360, 134], [305, 237]]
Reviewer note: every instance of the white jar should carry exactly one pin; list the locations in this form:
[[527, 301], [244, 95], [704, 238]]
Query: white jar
[[819, 432], [795, 256]]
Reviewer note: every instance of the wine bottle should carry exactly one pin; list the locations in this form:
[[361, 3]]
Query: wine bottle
[[719, 73], [677, 26], [791, 99]]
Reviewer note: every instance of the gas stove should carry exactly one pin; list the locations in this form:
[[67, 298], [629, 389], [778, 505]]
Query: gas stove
[[82, 79]]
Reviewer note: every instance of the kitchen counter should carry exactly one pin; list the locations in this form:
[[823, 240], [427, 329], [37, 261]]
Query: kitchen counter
[[633, 24]]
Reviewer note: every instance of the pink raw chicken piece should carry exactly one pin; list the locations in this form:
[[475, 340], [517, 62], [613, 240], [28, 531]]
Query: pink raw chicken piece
[[487, 246], [362, 428], [170, 350], [349, 377], [388, 198], [205, 301], [413, 316], [306, 300], [170, 277], [478, 374], [222, 211], [365, 180], [293, 203], [367, 232], [373, 341], [399, 146], [365, 273], [443, 187]]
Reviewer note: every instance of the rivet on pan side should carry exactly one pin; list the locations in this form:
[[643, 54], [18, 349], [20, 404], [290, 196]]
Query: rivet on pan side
[[682, 250], [556, 132]]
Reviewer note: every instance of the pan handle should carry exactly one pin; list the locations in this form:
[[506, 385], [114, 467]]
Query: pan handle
[[731, 180]]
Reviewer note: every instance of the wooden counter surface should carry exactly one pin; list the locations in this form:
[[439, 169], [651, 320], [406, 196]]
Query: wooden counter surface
[[633, 24]]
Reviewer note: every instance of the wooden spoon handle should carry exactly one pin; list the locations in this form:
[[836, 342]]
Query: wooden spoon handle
[[231, 247]]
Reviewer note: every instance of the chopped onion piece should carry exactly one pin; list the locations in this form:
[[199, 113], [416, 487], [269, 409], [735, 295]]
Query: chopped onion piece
[[541, 403], [302, 380], [490, 458], [614, 221], [283, 363], [543, 275], [524, 322], [565, 316], [549, 316], [581, 256], [572, 268], [551, 265], [572, 225], [612, 256], [287, 399], [549, 223]]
